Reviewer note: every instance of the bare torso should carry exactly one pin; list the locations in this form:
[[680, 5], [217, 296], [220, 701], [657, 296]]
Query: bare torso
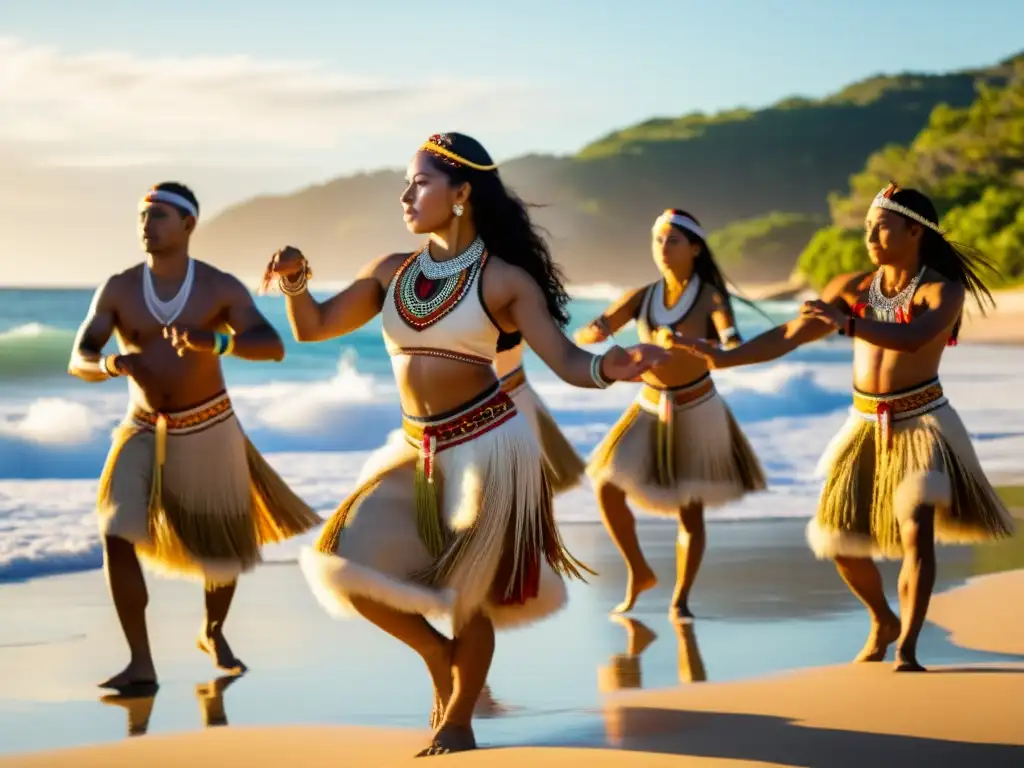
[[165, 381], [880, 371], [683, 367]]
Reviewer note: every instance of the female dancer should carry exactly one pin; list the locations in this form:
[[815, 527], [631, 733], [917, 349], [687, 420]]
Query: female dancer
[[456, 519], [677, 449], [564, 465]]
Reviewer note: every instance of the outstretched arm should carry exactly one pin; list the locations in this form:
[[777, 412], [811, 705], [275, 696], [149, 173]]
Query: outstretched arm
[[530, 314], [780, 340], [86, 361], [936, 315], [344, 312], [613, 318]]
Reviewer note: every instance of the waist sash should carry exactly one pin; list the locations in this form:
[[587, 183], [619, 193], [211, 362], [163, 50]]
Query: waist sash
[[887, 409], [663, 403]]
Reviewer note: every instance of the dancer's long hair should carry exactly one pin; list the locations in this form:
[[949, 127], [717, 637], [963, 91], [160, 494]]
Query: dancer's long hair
[[707, 269], [502, 222], [953, 261]]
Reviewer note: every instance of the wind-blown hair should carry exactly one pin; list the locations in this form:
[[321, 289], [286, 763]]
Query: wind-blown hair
[[501, 219]]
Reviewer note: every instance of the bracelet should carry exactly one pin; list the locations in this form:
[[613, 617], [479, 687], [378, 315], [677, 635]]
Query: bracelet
[[223, 344], [109, 366], [728, 334], [847, 329], [595, 373], [297, 285]]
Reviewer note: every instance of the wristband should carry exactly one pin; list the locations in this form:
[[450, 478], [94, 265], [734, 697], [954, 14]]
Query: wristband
[[109, 366], [223, 344], [595, 372]]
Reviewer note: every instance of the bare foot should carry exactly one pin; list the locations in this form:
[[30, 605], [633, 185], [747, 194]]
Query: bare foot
[[680, 611], [136, 676], [882, 636], [216, 647], [636, 584], [440, 668], [906, 661], [450, 739]]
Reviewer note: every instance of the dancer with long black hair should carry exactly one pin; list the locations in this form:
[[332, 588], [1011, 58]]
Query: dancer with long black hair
[[677, 449], [455, 519], [901, 474]]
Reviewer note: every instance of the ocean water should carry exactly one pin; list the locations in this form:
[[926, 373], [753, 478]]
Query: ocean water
[[318, 414]]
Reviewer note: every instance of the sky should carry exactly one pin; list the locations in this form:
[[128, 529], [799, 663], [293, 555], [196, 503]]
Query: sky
[[98, 99]]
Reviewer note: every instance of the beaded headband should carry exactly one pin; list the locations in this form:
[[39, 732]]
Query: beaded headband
[[671, 217], [884, 200], [433, 144], [171, 198]]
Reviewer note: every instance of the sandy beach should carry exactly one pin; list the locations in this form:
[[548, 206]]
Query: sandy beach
[[761, 679]]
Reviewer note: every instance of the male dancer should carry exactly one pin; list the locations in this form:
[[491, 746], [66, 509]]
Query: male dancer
[[183, 490], [902, 473]]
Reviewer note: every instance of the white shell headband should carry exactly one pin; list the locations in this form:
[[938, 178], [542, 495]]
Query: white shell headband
[[883, 200], [671, 217], [171, 198]]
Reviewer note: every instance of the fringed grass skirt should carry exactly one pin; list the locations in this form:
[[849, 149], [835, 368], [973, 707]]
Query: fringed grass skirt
[[564, 465], [894, 454], [193, 495], [452, 519], [676, 447]]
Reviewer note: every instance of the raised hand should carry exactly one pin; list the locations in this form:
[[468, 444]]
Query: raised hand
[[287, 263], [627, 364], [189, 339]]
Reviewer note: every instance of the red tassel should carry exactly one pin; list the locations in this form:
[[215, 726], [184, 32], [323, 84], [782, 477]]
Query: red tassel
[[529, 586], [860, 309], [428, 457], [884, 412], [951, 342]]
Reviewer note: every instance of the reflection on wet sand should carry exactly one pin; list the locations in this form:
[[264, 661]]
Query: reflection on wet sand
[[210, 696], [138, 703], [691, 663], [623, 671]]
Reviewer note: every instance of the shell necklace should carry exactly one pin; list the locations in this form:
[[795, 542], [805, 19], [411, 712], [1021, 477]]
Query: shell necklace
[[166, 312], [665, 317], [885, 308]]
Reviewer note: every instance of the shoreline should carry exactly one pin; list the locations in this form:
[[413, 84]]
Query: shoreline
[[787, 716], [958, 715]]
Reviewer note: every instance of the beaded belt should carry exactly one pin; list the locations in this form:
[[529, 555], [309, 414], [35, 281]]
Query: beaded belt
[[186, 421], [436, 434], [513, 380], [659, 401], [886, 409]]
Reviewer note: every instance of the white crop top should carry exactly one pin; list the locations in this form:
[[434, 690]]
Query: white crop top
[[444, 317]]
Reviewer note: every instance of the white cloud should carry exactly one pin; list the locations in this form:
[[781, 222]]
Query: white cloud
[[115, 109]]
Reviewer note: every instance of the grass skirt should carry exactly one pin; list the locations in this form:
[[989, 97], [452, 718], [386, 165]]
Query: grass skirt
[[677, 447], [193, 495], [452, 517], [564, 465], [894, 454]]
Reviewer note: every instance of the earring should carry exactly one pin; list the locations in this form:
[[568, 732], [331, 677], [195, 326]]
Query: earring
[[457, 209]]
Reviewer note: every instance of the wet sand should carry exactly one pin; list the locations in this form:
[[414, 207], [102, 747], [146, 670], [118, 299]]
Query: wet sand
[[764, 606]]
